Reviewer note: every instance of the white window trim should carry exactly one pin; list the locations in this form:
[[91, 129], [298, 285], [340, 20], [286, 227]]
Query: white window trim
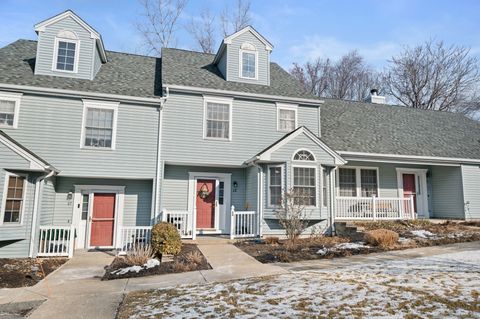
[[99, 105], [358, 178], [4, 200], [240, 63], [219, 100], [322, 186], [303, 161], [297, 164], [14, 97], [289, 107], [282, 185], [55, 54]]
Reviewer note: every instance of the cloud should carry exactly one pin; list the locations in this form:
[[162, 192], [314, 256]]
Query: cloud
[[376, 53]]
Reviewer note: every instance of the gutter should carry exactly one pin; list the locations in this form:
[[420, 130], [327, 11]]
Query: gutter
[[257, 96], [36, 200], [156, 206], [80, 94], [379, 156]]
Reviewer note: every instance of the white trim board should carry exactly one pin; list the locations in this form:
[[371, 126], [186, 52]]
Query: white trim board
[[218, 100], [288, 107], [240, 63], [433, 159], [96, 104], [268, 45], [16, 98], [55, 54], [4, 200], [420, 186]]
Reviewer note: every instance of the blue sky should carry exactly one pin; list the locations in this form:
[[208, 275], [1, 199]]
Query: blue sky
[[299, 30]]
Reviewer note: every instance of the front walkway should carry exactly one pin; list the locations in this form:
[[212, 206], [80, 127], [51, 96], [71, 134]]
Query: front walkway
[[76, 291]]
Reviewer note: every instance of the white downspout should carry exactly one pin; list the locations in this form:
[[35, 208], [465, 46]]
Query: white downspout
[[36, 199], [156, 203], [260, 197]]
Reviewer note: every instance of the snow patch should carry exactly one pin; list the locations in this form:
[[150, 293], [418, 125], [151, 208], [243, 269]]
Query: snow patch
[[343, 246], [422, 233], [151, 263]]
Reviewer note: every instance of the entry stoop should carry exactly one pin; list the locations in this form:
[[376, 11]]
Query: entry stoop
[[349, 229]]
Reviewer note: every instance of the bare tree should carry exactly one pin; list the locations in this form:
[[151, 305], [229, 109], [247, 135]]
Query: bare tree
[[160, 23], [203, 31], [313, 75], [434, 76], [238, 19], [292, 215]]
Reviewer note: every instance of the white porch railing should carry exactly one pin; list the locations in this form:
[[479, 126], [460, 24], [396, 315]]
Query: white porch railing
[[243, 224], [134, 236], [374, 208], [181, 219], [55, 241]]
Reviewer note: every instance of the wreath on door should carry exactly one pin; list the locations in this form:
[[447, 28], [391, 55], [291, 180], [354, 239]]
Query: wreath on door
[[204, 192]]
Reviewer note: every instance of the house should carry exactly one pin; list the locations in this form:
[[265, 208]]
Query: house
[[96, 146]]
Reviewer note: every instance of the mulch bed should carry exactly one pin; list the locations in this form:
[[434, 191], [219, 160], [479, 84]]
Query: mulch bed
[[177, 265], [267, 251], [25, 272]]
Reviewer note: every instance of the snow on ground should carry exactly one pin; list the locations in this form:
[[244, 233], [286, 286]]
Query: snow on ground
[[343, 246], [423, 233], [442, 286], [149, 264]]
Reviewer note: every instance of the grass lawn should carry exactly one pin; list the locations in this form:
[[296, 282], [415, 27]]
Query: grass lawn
[[442, 286]]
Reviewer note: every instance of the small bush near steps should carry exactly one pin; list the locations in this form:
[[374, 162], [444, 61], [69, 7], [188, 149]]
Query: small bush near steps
[[139, 255], [382, 237], [165, 240]]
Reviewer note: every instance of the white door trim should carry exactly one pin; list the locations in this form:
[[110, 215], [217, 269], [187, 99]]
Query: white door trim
[[192, 183], [420, 185], [91, 190]]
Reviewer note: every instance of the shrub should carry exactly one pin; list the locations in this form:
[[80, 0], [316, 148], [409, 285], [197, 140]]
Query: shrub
[[272, 240], [165, 239], [381, 237], [194, 257], [138, 255]]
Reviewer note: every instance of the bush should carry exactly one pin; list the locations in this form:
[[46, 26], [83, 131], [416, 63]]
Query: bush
[[165, 240], [193, 257], [138, 255], [381, 237]]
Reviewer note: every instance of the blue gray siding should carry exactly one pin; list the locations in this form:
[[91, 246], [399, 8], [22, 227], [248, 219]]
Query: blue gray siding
[[45, 50], [233, 66], [51, 127], [254, 127], [471, 190], [447, 197], [97, 62], [251, 188], [47, 203], [222, 65]]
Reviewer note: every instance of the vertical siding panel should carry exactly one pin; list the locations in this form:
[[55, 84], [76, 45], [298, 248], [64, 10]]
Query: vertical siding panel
[[471, 190]]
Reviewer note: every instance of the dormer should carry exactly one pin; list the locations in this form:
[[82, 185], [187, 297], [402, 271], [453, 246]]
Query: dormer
[[245, 57], [67, 46]]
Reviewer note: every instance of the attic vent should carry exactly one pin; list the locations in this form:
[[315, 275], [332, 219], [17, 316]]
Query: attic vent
[[248, 46], [67, 35]]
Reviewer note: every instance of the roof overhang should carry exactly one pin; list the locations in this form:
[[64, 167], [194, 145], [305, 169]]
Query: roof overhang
[[265, 155], [36, 163], [41, 26], [412, 159]]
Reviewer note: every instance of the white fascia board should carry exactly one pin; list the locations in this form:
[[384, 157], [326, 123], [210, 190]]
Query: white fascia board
[[268, 45], [432, 159], [81, 94], [267, 97]]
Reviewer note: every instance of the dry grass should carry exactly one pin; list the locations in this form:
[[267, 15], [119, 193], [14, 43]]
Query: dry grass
[[139, 255], [194, 257], [272, 240], [381, 237]]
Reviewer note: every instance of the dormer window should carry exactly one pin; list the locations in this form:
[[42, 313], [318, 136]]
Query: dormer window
[[66, 52], [248, 61]]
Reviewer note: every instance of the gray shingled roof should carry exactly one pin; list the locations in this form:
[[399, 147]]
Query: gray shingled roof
[[374, 128], [188, 68], [124, 74]]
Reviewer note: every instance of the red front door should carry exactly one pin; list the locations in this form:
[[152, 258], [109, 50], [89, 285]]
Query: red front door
[[205, 203], [409, 188], [103, 220]]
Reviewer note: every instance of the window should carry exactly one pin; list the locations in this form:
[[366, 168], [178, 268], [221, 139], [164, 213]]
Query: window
[[305, 186], [66, 56], [99, 124], [286, 117], [324, 188], [303, 155], [218, 119], [353, 182], [221, 193], [368, 182], [275, 177], [85, 200], [9, 109], [14, 196], [347, 182], [248, 61]]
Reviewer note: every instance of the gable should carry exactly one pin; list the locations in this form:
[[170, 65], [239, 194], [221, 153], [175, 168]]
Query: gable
[[11, 160]]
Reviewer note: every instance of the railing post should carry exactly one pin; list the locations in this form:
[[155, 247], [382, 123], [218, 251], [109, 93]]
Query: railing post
[[164, 215], [232, 222], [412, 207], [374, 207]]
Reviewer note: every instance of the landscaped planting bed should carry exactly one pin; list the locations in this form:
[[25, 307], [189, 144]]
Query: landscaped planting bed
[[411, 234], [189, 259], [25, 272]]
